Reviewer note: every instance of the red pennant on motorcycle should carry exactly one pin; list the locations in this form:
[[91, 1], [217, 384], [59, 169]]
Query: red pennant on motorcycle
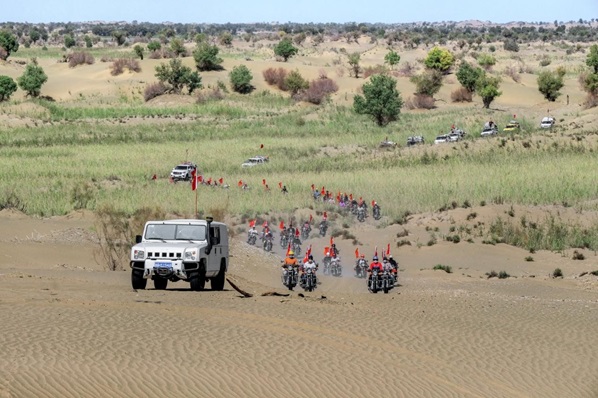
[[240, 183], [357, 252], [388, 250], [281, 225], [325, 215], [264, 181], [280, 185], [373, 203], [308, 251], [326, 251], [310, 218], [350, 196], [313, 187], [306, 258], [297, 233], [323, 191], [251, 223], [331, 241], [288, 249]]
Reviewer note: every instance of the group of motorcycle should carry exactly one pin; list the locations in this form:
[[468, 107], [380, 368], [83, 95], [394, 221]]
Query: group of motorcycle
[[378, 281], [308, 281], [360, 211]]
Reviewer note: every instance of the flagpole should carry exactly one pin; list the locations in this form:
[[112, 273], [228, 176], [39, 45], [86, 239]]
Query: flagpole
[[196, 214]]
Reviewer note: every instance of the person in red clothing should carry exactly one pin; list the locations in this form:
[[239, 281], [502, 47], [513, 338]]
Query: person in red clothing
[[375, 264]]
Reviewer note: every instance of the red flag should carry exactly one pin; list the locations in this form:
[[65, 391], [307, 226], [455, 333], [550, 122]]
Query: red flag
[[514, 116], [388, 250], [200, 179], [281, 225], [310, 218], [325, 215], [280, 184], [313, 187], [326, 251], [209, 181], [221, 180], [193, 181], [261, 146], [306, 258], [331, 241], [376, 252], [297, 232], [288, 249], [338, 198], [350, 196], [240, 183], [323, 191], [265, 224], [373, 202], [251, 223], [357, 252], [263, 181], [308, 252]]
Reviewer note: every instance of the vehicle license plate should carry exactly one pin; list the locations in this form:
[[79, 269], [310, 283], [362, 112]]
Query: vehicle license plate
[[163, 264]]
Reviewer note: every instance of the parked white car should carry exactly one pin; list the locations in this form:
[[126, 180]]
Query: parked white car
[[547, 122], [441, 139], [183, 171], [254, 161]]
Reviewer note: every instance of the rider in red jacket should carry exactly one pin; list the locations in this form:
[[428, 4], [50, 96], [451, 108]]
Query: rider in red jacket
[[375, 264]]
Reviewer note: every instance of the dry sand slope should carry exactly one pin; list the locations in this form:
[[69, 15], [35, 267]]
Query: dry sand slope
[[70, 329]]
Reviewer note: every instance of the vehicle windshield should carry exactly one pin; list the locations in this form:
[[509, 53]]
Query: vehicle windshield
[[175, 232], [441, 137]]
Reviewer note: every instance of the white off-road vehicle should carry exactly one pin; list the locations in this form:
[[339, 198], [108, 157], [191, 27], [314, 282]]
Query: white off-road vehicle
[[191, 250]]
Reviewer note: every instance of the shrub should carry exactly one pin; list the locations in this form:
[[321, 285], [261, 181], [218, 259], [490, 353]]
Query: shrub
[[486, 61], [439, 59], [578, 255], [445, 268], [428, 83], [461, 95], [7, 87], [119, 65], [80, 58], [206, 57], [294, 82], [511, 45], [178, 76], [381, 100], [374, 70], [468, 75], [529, 258], [81, 195], [32, 80], [407, 69], [545, 61], [487, 89], [491, 274], [471, 216], [214, 94], [319, 90], [513, 73], [503, 275], [275, 77], [240, 79], [557, 273], [549, 84], [8, 44], [154, 90], [285, 49], [420, 102]]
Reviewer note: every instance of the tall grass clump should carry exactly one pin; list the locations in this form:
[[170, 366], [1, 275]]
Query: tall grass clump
[[119, 65], [80, 58]]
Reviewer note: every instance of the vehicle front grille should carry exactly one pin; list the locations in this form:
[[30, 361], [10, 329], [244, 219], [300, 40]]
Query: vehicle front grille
[[164, 255]]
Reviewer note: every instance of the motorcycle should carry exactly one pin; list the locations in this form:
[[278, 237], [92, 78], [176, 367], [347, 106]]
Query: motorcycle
[[297, 247], [283, 240], [386, 281], [289, 277], [323, 228], [374, 283], [361, 214], [251, 239], [305, 232], [268, 244], [361, 269], [308, 280], [326, 264], [376, 212], [336, 268]]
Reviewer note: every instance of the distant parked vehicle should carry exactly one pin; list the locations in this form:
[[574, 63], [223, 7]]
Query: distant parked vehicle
[[255, 161], [547, 122], [183, 171], [415, 140], [490, 128], [513, 125], [441, 139]]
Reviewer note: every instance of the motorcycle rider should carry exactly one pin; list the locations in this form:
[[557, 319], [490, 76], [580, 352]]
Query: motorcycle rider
[[375, 264], [310, 264], [290, 263], [252, 232], [393, 262], [361, 263], [306, 227], [387, 267]]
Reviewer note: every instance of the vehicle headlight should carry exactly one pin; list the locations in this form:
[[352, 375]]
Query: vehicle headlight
[[191, 255], [138, 254]]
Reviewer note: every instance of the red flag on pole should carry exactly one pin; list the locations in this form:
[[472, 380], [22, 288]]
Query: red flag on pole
[[331, 241], [297, 231], [373, 202], [265, 224], [240, 183], [309, 251], [326, 251], [357, 252], [325, 215], [306, 258], [221, 180], [261, 146], [281, 225], [200, 179], [263, 181], [310, 218], [280, 184], [376, 252], [313, 187], [350, 196], [323, 191], [251, 223], [388, 250], [288, 249]]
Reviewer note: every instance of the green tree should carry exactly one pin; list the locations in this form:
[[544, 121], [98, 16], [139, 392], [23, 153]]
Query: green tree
[[285, 49], [439, 59], [294, 82], [381, 100], [486, 61], [32, 79], [225, 39], [201, 38], [354, 59], [392, 58], [178, 47], [120, 37], [589, 83], [549, 84], [511, 45], [178, 76], [428, 83], [240, 79], [7, 87], [69, 41], [138, 51], [8, 43], [88, 41], [154, 45], [206, 57], [487, 88], [468, 76], [34, 34], [592, 59]]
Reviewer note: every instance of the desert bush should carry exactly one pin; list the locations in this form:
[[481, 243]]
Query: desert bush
[[116, 233], [461, 95], [10, 200], [407, 69], [550, 84], [294, 82], [439, 59], [206, 57], [578, 255], [486, 61], [178, 76], [428, 83], [511, 45], [591, 101], [319, 90], [529, 258], [155, 54], [545, 61], [80, 58], [503, 275], [381, 100], [420, 102], [240, 79], [276, 77], [82, 195], [7, 87], [445, 268], [215, 94], [374, 70], [32, 79], [513, 73], [119, 66], [472, 216], [557, 273], [491, 274], [154, 90]]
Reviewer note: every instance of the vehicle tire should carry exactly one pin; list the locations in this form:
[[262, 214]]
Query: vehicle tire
[[385, 289], [198, 279], [160, 283], [218, 282], [137, 279]]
